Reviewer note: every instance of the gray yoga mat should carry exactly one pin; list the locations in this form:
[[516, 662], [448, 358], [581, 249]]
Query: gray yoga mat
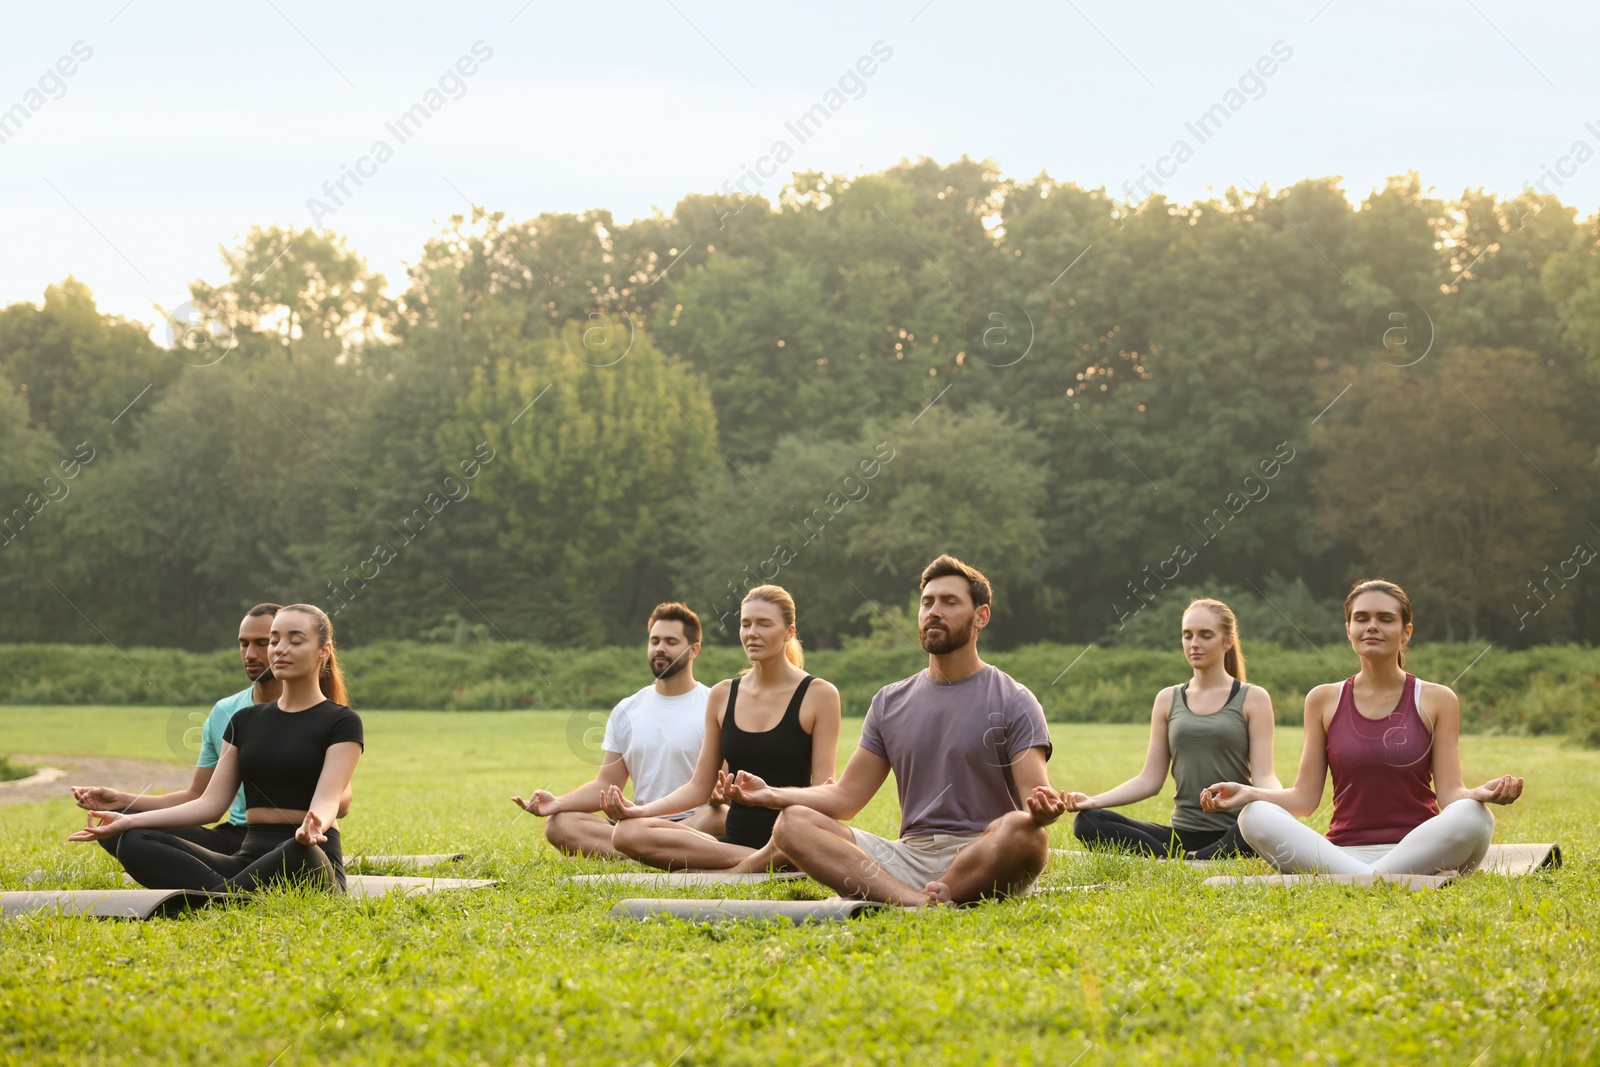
[[1511, 861], [105, 903], [662, 879], [1410, 881], [151, 903], [795, 911], [374, 885], [427, 859], [1521, 859]]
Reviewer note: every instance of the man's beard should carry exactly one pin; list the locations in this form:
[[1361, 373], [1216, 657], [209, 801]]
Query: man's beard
[[264, 677], [668, 668], [947, 641]]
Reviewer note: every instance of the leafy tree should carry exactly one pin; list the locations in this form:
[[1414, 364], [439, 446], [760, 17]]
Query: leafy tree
[[846, 525], [1447, 476], [597, 438], [235, 480], [83, 376], [1572, 276], [301, 294]]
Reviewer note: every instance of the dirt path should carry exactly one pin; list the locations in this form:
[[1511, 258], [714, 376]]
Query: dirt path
[[133, 775]]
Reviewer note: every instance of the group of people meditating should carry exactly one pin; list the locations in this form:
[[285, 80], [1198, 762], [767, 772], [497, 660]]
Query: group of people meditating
[[740, 776]]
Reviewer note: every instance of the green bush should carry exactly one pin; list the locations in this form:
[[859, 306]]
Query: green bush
[[10, 771], [1545, 690]]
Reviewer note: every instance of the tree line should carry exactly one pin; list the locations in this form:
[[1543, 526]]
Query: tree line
[[559, 422]]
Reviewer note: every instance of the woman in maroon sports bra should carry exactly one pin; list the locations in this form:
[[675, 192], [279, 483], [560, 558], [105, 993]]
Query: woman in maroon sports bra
[[1384, 734]]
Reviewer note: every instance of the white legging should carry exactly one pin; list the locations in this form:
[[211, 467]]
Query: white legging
[[1455, 839]]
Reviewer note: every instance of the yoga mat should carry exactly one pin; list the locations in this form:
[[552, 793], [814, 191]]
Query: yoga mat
[[373, 885], [1508, 860], [682, 878], [105, 903], [1410, 881], [148, 903], [795, 911], [427, 859], [1035, 890], [1521, 859]]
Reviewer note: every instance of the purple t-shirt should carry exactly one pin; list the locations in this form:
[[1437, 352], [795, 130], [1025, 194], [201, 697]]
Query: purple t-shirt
[[951, 744]]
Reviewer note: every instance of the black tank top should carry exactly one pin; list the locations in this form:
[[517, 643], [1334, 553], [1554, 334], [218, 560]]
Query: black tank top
[[780, 756]]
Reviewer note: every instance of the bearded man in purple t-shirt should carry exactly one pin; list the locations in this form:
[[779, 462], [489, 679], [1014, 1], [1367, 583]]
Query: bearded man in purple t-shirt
[[967, 744]]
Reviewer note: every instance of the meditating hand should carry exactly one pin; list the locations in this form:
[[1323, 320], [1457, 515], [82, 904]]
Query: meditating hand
[[618, 807], [1077, 801], [719, 792], [750, 790], [310, 831], [1224, 796], [1500, 791], [110, 824], [94, 797], [542, 803], [1045, 805]]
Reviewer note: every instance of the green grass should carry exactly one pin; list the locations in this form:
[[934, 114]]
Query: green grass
[[1155, 969], [10, 771]]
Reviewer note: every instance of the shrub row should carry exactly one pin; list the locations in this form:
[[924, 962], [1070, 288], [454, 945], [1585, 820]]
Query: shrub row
[[1542, 690]]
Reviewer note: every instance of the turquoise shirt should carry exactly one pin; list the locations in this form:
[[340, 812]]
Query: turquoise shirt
[[211, 741]]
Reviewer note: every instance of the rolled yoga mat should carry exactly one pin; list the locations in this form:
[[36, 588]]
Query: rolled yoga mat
[[1512, 861], [795, 911], [151, 903], [106, 903], [662, 879], [1410, 881], [1521, 859], [427, 859], [374, 885]]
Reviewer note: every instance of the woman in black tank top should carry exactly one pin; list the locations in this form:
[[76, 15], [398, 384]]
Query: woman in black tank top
[[774, 721]]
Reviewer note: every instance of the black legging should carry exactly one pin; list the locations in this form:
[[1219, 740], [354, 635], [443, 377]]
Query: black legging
[[225, 837], [162, 859], [1102, 826]]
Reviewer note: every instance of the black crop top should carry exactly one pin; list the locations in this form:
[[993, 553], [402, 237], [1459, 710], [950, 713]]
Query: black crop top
[[281, 753]]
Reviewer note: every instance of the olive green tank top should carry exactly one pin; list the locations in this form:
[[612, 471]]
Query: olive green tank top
[[1206, 749]]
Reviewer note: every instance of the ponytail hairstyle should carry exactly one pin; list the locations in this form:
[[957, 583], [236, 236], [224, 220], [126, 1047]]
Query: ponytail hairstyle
[[1228, 624], [1379, 585], [779, 596], [331, 678]]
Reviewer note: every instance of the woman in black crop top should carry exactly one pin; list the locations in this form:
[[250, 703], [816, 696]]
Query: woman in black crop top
[[294, 756], [775, 721]]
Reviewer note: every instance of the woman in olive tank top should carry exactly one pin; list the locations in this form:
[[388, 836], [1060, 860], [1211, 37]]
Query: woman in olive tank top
[[1392, 744], [1213, 723], [775, 721]]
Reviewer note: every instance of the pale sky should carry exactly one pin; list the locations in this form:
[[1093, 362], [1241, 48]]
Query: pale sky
[[188, 123]]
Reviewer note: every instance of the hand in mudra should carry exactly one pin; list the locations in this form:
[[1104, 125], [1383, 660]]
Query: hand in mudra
[[310, 831], [750, 790], [1045, 805], [1503, 790], [111, 823], [1224, 796], [1077, 801], [618, 807], [542, 803], [94, 797]]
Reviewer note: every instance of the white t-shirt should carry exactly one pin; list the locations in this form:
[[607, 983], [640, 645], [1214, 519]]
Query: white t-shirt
[[659, 739]]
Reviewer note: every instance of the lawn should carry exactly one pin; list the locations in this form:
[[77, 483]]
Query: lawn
[[1153, 969]]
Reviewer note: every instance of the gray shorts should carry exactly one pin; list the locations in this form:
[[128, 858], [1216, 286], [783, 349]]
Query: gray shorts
[[913, 861]]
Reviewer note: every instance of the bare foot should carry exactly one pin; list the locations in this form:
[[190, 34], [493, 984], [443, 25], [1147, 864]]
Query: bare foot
[[765, 859], [938, 895]]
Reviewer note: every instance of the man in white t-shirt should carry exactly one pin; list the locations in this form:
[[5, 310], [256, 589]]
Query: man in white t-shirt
[[652, 737]]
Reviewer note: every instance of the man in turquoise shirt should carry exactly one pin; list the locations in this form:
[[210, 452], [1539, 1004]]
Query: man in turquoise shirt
[[225, 837]]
